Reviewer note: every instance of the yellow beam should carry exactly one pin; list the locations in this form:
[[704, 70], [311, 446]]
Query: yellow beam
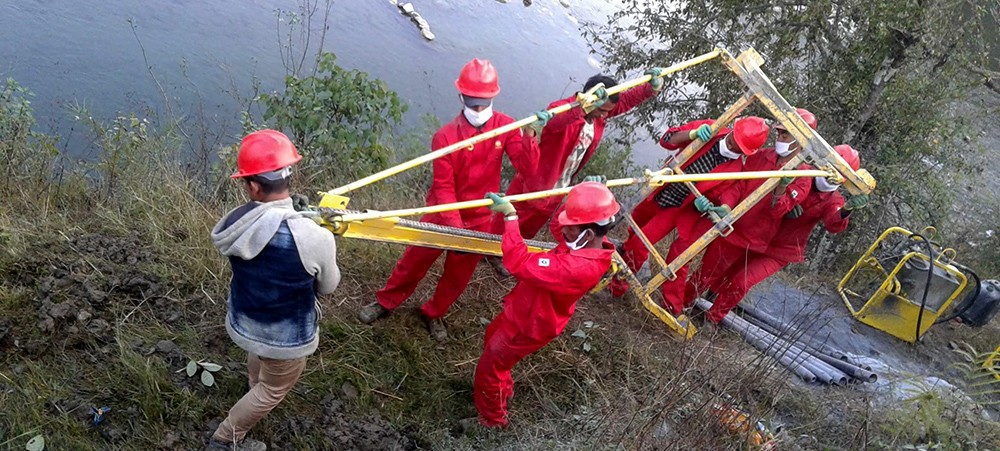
[[660, 180], [392, 231], [817, 151], [767, 188], [468, 143]]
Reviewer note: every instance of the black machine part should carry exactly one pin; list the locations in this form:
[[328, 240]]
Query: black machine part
[[984, 306]]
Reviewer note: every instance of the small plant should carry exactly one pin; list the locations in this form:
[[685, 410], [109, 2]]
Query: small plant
[[37, 443], [581, 333], [207, 368]]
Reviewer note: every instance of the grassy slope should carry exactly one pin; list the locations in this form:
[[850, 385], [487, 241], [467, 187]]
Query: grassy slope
[[136, 259]]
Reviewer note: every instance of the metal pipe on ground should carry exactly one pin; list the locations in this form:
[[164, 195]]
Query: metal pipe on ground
[[824, 372], [785, 361], [854, 371], [806, 342], [780, 328], [780, 349], [783, 328]]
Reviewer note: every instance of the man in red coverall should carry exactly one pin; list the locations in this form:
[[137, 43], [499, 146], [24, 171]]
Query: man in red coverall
[[657, 215], [567, 143], [823, 203], [757, 226], [548, 286], [460, 176]]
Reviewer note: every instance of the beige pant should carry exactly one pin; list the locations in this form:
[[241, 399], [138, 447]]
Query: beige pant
[[270, 381]]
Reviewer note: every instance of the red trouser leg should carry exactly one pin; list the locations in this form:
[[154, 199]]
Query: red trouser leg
[[410, 270], [740, 279], [458, 270], [673, 290], [493, 384], [690, 227], [655, 228], [719, 259]]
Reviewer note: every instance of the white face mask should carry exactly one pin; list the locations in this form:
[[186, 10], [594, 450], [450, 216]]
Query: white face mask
[[576, 244], [478, 118], [724, 150], [825, 186], [783, 149]]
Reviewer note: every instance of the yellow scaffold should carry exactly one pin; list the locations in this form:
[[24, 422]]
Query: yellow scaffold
[[391, 227]]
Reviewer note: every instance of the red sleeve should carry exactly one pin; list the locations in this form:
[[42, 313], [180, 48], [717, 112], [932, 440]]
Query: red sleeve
[[631, 99], [562, 120], [522, 151], [793, 195], [832, 220], [683, 128], [555, 227], [546, 269], [443, 185], [734, 193]]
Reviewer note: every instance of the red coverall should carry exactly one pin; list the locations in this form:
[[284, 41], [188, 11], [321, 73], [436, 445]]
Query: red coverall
[[535, 312], [557, 142], [460, 176], [655, 221], [753, 234], [787, 246]]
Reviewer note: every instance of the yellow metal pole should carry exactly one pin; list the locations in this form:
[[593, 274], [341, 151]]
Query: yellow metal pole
[[468, 143], [762, 191], [562, 191]]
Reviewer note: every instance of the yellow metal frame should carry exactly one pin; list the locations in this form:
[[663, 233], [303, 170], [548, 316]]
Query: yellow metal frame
[[888, 309], [992, 363], [385, 226]]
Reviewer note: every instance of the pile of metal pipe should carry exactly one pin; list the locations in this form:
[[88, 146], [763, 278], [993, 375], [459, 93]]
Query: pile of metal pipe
[[810, 361]]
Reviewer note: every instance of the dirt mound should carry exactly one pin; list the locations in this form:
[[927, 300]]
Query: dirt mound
[[81, 287], [366, 433]]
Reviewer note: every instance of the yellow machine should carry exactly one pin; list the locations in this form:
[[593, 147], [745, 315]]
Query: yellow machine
[[388, 227], [903, 283]]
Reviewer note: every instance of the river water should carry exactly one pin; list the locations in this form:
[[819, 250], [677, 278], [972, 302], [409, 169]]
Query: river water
[[206, 52]]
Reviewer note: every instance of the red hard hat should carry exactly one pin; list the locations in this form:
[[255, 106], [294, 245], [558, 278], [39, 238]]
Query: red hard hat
[[587, 203], [849, 155], [265, 151], [806, 116], [750, 133], [478, 79]]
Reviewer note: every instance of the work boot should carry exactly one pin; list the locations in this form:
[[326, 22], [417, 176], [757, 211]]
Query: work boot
[[247, 444], [497, 264], [372, 312], [436, 328]]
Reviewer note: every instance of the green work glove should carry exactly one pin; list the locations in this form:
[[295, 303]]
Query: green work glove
[[300, 202], [655, 82], [543, 118], [703, 132], [702, 204], [592, 99], [794, 213], [856, 202], [722, 210], [501, 205], [596, 178], [784, 182]]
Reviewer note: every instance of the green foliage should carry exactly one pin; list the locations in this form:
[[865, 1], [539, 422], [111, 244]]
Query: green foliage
[[936, 418], [338, 117], [880, 75], [25, 154]]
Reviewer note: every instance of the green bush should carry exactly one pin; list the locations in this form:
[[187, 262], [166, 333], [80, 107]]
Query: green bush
[[339, 118]]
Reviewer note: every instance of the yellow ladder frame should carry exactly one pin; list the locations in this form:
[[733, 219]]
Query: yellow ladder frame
[[746, 66]]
